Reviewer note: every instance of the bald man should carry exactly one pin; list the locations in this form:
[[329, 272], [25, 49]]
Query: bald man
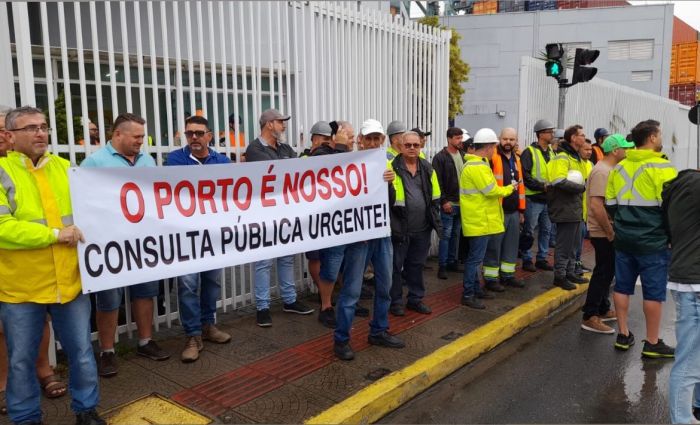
[[502, 249]]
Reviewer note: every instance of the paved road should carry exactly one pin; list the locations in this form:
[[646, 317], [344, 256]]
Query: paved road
[[557, 374]]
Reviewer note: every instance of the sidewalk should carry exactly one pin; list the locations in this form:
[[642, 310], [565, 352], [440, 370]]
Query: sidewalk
[[287, 373]]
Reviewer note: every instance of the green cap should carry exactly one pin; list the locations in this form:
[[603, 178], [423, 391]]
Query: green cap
[[615, 141]]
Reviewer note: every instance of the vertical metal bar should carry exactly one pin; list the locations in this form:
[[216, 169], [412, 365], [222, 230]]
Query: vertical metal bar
[[244, 68], [254, 59], [312, 67], [66, 82], [154, 83], [339, 65], [166, 74], [125, 56], [271, 66], [297, 78], [212, 59], [7, 78], [81, 76], [202, 67], [48, 65], [305, 71], [179, 98], [23, 49], [234, 76], [280, 38], [345, 52], [287, 58], [143, 108], [190, 56], [224, 84], [110, 58]]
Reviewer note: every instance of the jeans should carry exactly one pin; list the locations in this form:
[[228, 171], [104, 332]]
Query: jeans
[[477, 251], [597, 297], [684, 382], [285, 278], [379, 251], [197, 295], [451, 231], [568, 235], [410, 254], [536, 215], [24, 326]]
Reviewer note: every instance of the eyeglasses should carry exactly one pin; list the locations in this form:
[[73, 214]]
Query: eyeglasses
[[34, 129], [411, 145], [198, 133]]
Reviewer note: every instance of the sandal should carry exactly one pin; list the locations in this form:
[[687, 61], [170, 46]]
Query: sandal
[[3, 405], [53, 387]]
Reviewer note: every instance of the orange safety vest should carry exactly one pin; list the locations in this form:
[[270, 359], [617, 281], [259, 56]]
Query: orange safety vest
[[598, 153], [497, 162]]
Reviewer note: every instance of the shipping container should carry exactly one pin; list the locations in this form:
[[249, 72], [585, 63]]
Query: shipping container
[[585, 4], [541, 5], [682, 32], [485, 7], [685, 94], [674, 64], [511, 6], [687, 63]]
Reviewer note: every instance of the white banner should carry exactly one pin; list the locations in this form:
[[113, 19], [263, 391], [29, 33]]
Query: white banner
[[144, 224]]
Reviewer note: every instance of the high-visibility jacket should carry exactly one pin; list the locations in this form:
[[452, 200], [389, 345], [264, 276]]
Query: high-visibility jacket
[[633, 199], [479, 195], [540, 172], [431, 193], [564, 197], [391, 153], [497, 163], [33, 202], [588, 167], [597, 153], [421, 155]]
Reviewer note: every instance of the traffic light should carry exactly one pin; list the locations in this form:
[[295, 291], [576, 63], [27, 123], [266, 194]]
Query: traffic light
[[553, 66], [582, 72]]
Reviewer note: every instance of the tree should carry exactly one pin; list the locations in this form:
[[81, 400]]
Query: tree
[[459, 70], [61, 123]]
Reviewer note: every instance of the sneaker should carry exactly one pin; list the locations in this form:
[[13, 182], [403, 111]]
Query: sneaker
[[543, 265], [658, 351], [343, 351], [455, 267], [512, 282], [419, 308], [563, 283], [107, 364], [397, 310], [582, 267], [494, 286], [528, 266], [385, 339], [576, 279], [624, 342], [594, 324], [609, 316], [483, 295], [213, 334], [89, 418], [327, 318], [263, 318], [442, 273], [473, 302], [297, 308], [152, 351], [192, 348], [361, 311]]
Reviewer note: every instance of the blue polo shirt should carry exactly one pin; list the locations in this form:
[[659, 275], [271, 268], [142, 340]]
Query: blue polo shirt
[[184, 157], [109, 157]]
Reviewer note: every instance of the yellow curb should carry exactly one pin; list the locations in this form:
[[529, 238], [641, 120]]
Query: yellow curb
[[385, 395]]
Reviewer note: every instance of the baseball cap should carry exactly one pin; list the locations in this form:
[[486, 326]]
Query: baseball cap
[[420, 132], [371, 126], [616, 141], [272, 115], [321, 128], [395, 127], [601, 132]]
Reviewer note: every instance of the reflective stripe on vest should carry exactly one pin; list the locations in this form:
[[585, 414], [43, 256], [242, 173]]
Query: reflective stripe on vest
[[637, 198], [539, 166], [9, 187]]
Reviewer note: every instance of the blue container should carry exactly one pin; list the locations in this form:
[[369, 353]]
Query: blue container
[[541, 5]]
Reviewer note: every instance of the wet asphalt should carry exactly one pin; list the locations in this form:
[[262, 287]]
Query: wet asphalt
[[559, 374]]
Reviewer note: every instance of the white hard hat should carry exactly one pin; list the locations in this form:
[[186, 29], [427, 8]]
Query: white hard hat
[[485, 136], [465, 135], [575, 176]]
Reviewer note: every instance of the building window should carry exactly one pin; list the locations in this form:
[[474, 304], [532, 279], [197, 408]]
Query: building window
[[639, 76], [621, 50]]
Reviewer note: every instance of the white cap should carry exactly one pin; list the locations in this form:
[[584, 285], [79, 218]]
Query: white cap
[[465, 135], [371, 126], [485, 136]]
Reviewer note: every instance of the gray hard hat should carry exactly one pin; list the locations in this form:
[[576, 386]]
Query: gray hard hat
[[558, 133], [322, 128], [395, 127], [543, 125]]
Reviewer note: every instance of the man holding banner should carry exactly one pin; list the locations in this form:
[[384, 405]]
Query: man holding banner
[[270, 146], [197, 292], [124, 150]]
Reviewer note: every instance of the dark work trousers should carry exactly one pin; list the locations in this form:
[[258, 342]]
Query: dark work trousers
[[597, 298], [409, 258], [568, 236]]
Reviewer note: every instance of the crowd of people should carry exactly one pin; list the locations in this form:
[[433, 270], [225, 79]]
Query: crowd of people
[[488, 201]]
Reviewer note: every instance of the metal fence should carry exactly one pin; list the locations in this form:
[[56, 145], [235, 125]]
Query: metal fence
[[601, 103], [166, 60]]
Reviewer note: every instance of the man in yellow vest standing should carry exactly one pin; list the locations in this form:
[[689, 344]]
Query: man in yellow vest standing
[[633, 200], [39, 271], [481, 211], [502, 250]]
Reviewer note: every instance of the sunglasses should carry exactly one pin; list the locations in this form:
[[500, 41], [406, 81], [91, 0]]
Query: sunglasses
[[198, 133], [411, 145]]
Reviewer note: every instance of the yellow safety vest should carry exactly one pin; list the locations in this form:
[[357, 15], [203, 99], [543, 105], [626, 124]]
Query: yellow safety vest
[[539, 170], [479, 198], [401, 194], [33, 202], [391, 153]]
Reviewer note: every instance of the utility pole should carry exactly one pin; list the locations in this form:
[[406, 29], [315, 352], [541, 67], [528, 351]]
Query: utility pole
[[562, 91]]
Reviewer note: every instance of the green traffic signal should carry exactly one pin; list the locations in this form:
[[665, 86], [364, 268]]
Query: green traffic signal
[[553, 68]]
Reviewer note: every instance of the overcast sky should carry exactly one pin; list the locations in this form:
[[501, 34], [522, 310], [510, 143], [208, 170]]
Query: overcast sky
[[689, 11]]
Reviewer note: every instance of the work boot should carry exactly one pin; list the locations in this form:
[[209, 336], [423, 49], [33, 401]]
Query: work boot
[[442, 273], [483, 295], [564, 284], [543, 265], [327, 318], [576, 279], [397, 310], [528, 266], [343, 351], [512, 282], [494, 286], [192, 348], [385, 339], [213, 334], [419, 307], [89, 418], [473, 302], [107, 364]]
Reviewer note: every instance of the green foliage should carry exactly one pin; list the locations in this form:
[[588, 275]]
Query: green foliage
[[459, 70], [61, 124]]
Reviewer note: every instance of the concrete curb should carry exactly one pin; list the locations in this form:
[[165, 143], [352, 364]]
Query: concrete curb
[[373, 402]]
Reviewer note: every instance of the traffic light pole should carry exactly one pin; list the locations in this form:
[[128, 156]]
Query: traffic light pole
[[562, 93]]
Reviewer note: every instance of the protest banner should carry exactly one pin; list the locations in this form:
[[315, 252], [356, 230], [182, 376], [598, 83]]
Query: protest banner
[[144, 224]]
